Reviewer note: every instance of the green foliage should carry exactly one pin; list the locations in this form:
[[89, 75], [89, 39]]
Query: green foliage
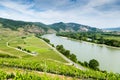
[[86, 64], [58, 26], [23, 49], [14, 25], [73, 57], [19, 47], [72, 26], [93, 64], [3, 75], [46, 61], [23, 37], [25, 76], [46, 40], [61, 49], [51, 67], [95, 37], [3, 55]]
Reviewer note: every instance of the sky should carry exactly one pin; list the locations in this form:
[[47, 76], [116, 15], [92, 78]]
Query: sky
[[95, 13]]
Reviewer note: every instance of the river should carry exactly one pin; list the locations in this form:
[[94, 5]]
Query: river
[[108, 57]]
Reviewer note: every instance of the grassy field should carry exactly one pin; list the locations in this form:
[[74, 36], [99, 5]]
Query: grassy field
[[37, 46], [9, 40], [28, 42], [5, 36]]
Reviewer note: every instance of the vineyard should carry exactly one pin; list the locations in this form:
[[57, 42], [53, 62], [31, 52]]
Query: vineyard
[[14, 54], [29, 76], [56, 68]]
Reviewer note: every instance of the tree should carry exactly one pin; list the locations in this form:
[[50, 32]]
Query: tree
[[46, 40], [93, 64], [19, 47], [59, 47], [67, 53], [73, 57], [86, 64], [28, 51], [101, 41]]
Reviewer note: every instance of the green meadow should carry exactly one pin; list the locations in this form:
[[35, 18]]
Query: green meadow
[[37, 46]]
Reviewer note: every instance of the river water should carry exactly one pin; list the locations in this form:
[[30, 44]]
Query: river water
[[108, 57]]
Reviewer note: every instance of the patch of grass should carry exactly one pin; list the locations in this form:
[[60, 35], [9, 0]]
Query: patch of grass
[[38, 46]]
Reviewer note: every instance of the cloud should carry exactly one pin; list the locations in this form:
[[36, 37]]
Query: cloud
[[88, 12], [58, 4]]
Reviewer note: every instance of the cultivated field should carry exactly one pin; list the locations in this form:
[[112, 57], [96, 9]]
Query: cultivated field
[[26, 57]]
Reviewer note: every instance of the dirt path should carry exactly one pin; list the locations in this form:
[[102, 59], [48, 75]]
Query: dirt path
[[68, 60], [7, 44]]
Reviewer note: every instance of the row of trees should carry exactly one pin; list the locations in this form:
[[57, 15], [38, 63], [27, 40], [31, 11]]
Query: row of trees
[[19, 47], [95, 37], [94, 64], [45, 39], [62, 50]]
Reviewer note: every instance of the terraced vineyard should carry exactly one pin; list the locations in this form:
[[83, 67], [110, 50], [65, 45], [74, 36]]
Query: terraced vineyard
[[26, 57]]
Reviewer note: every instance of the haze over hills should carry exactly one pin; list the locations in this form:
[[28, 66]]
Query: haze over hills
[[113, 29], [38, 27]]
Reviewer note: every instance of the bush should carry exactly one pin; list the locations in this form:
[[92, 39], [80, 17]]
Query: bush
[[19, 47], [93, 64], [46, 40]]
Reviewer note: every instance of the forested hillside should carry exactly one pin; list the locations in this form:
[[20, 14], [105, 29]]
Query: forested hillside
[[38, 27], [73, 27], [14, 25]]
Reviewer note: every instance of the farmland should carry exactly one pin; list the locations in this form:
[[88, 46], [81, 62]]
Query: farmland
[[26, 56]]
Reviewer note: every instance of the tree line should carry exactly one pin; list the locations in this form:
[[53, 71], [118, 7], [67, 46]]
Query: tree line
[[93, 64], [95, 37]]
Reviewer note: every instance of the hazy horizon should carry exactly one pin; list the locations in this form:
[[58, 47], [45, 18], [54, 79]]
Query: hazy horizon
[[95, 13]]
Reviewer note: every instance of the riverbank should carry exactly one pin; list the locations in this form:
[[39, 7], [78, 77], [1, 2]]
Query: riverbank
[[86, 51], [67, 59], [90, 42]]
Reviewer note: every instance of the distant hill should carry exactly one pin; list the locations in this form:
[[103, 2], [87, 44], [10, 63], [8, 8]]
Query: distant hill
[[38, 27], [113, 29], [73, 27], [27, 26]]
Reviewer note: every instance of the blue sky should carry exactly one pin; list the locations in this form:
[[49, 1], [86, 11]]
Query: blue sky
[[96, 13]]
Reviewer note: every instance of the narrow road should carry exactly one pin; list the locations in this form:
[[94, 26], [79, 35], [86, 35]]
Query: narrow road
[[7, 44], [64, 57]]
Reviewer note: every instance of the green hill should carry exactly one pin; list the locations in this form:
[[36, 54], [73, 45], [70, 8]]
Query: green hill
[[23, 56], [38, 27], [73, 27], [14, 25]]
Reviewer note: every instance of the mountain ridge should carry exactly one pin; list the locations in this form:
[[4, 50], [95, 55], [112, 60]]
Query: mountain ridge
[[72, 27], [38, 27]]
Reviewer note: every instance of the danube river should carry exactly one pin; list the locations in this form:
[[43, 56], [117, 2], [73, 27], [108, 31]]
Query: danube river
[[108, 57]]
